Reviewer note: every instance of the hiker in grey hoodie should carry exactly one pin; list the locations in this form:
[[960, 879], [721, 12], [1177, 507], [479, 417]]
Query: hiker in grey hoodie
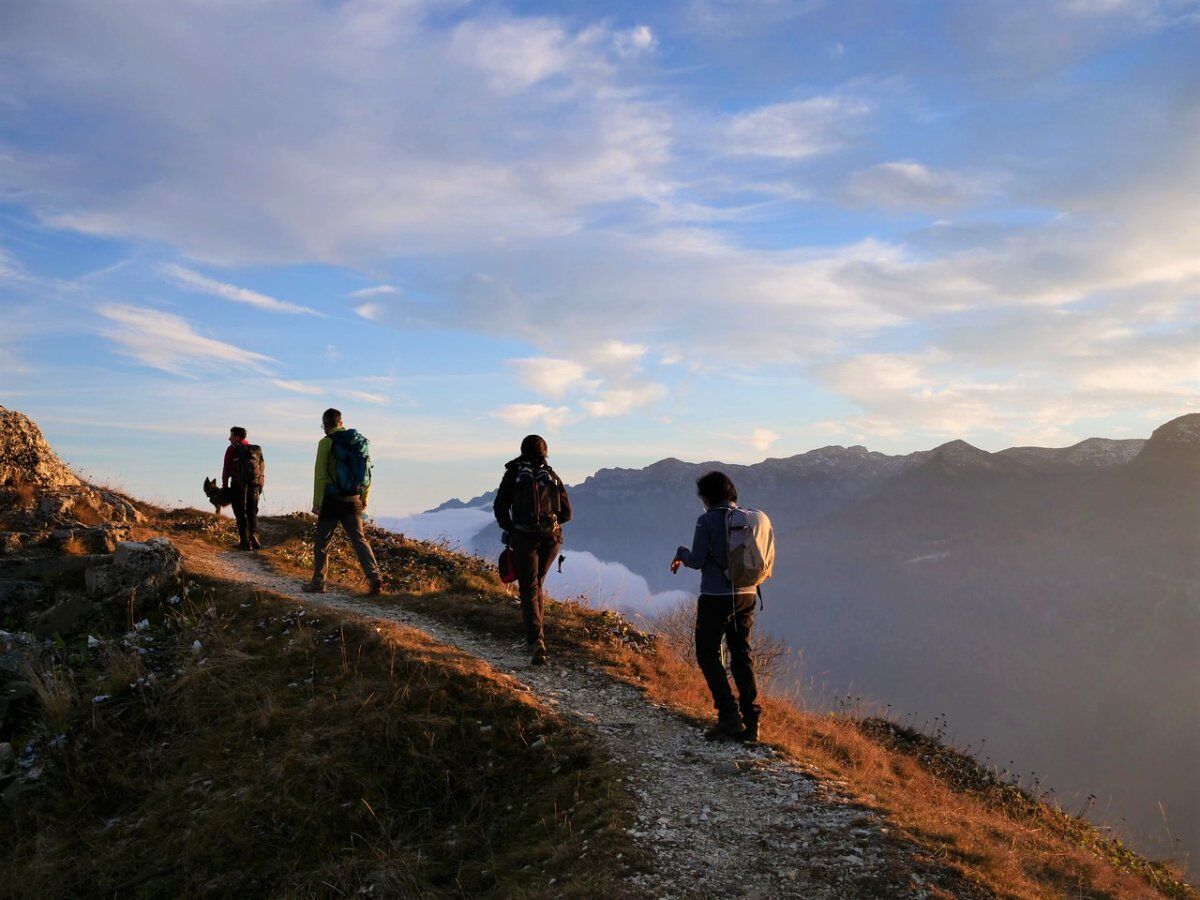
[[722, 614]]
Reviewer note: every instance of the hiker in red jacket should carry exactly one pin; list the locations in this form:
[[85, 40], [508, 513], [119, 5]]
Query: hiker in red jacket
[[245, 473]]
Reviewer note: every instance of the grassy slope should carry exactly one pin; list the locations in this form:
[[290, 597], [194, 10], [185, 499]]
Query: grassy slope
[[294, 755], [993, 835]]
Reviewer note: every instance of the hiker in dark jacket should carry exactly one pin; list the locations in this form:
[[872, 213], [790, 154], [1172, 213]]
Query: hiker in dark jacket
[[338, 503], [531, 507], [722, 614], [246, 480]]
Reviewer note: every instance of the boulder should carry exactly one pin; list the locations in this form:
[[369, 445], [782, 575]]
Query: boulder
[[64, 617], [46, 568]]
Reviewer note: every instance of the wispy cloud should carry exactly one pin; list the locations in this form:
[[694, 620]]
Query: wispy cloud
[[168, 342], [297, 387], [205, 285], [379, 290], [910, 185]]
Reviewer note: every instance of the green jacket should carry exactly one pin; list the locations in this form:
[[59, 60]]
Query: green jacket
[[322, 476]]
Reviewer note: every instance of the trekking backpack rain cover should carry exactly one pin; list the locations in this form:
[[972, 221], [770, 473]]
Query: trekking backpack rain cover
[[350, 462], [252, 468], [537, 498], [751, 547]]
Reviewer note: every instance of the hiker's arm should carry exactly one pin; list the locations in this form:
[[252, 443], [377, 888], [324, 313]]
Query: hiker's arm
[[321, 472], [502, 507], [564, 507], [366, 492], [694, 558], [227, 469]]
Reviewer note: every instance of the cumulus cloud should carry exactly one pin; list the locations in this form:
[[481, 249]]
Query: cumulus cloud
[[523, 415], [168, 342], [372, 312], [550, 376], [619, 401], [202, 283]]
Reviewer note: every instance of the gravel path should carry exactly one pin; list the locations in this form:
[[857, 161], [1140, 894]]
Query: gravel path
[[720, 819]]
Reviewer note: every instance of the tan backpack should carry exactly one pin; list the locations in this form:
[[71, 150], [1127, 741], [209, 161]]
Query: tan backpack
[[751, 543]]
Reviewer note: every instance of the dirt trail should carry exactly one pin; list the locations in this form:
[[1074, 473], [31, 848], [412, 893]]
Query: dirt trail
[[719, 819]]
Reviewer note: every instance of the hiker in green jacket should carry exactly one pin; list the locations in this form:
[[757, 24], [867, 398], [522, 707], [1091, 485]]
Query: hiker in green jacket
[[341, 487]]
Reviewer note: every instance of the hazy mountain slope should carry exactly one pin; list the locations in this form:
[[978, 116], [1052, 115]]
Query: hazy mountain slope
[[1043, 598]]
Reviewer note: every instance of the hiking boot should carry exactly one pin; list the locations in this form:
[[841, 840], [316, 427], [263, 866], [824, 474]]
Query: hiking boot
[[539, 654], [749, 734], [376, 589], [311, 587], [245, 545], [254, 544], [726, 728]]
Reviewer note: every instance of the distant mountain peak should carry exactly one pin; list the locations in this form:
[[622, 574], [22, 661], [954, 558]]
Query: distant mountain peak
[[1181, 430], [959, 452]]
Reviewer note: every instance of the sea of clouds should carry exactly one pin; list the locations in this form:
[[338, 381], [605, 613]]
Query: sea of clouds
[[603, 584]]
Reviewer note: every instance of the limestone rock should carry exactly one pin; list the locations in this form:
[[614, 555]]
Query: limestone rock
[[26, 457]]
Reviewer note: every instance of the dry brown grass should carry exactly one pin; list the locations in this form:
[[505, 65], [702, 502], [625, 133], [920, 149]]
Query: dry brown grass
[[54, 687], [1010, 850], [74, 546], [301, 755], [20, 493]]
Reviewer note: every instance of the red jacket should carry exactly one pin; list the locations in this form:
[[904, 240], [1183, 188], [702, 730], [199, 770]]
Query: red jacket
[[230, 469]]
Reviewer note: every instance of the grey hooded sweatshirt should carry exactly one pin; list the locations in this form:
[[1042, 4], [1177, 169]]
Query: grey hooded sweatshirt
[[710, 552]]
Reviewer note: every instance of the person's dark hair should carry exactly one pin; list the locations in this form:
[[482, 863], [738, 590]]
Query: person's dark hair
[[238, 432], [715, 488], [534, 448], [332, 416]]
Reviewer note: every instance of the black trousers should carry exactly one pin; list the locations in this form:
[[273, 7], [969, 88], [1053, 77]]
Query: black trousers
[[245, 510], [533, 555], [347, 513], [719, 616]]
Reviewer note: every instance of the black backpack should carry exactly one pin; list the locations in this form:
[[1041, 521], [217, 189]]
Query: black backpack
[[251, 468], [537, 498]]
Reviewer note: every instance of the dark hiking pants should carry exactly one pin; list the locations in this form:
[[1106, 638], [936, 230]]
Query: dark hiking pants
[[533, 554], [347, 513], [245, 511], [719, 616]]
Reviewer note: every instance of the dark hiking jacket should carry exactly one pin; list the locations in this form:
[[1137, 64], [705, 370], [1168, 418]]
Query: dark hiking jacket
[[710, 552], [502, 508]]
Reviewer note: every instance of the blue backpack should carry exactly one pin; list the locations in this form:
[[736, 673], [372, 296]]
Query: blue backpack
[[349, 462]]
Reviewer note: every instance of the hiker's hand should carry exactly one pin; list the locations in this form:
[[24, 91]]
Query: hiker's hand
[[675, 564]]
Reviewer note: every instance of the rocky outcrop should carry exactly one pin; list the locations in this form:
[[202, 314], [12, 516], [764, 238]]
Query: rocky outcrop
[[26, 458], [58, 595]]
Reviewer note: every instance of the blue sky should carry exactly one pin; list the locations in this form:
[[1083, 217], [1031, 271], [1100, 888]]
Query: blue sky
[[703, 229]]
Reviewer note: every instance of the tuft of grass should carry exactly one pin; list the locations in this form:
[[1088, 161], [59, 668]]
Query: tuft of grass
[[74, 546], [54, 688], [980, 844], [21, 494]]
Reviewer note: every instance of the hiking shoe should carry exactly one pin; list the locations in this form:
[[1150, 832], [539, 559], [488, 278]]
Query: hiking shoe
[[376, 589], [749, 734], [244, 546], [726, 728], [254, 544], [311, 587], [539, 654]]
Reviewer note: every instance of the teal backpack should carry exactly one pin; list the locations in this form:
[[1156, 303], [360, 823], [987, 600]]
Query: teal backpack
[[349, 463]]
